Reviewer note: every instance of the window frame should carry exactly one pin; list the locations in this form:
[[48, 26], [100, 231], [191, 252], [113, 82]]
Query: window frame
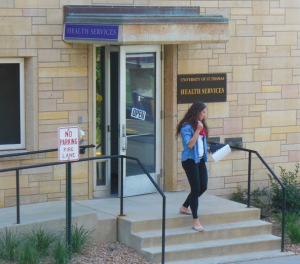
[[22, 144]]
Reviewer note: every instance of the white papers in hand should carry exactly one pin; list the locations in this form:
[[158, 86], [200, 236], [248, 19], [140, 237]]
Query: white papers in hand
[[221, 153]]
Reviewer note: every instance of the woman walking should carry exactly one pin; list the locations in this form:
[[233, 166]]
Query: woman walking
[[194, 131]]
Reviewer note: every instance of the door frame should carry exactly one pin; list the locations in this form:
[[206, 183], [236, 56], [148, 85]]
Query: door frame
[[105, 190], [129, 182]]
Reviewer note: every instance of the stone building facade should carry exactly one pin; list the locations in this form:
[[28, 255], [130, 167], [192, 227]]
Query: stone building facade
[[258, 49]]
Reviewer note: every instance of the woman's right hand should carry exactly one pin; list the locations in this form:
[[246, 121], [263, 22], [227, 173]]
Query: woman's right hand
[[199, 126]]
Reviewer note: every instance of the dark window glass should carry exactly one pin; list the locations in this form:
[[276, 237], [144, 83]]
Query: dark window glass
[[10, 131]]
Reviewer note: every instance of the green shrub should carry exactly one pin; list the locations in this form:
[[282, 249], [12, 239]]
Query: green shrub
[[28, 254], [40, 239], [9, 242], [80, 237], [239, 196], [61, 252], [289, 179]]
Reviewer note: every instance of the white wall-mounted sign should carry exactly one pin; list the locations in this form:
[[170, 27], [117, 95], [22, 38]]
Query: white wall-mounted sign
[[68, 143]]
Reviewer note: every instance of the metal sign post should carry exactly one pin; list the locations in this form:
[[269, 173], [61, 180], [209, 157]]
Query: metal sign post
[[68, 150]]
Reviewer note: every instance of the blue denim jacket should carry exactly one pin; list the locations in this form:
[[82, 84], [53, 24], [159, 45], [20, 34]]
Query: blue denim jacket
[[187, 133]]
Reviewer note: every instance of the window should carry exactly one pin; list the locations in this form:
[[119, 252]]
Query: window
[[12, 109]]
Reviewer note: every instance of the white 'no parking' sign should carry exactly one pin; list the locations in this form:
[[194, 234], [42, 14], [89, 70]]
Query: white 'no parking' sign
[[68, 143]]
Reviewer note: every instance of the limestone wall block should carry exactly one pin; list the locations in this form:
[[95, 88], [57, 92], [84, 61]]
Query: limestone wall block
[[233, 125], [46, 105], [271, 148], [49, 187], [282, 76], [78, 96], [246, 99], [12, 42], [239, 111], [62, 72], [34, 12], [50, 94], [262, 75], [71, 107], [218, 110], [216, 183], [278, 137], [268, 95], [9, 182], [241, 45], [293, 138], [278, 51], [268, 41], [74, 83], [36, 4], [39, 21], [27, 52], [48, 55], [262, 134], [76, 2], [265, 20], [79, 60], [287, 104], [14, 26], [292, 16], [73, 116], [261, 8], [192, 66], [251, 122], [199, 54], [286, 38], [257, 108], [53, 115], [294, 156], [220, 169], [249, 30], [47, 30], [278, 118], [55, 16], [232, 59], [242, 73], [289, 3]]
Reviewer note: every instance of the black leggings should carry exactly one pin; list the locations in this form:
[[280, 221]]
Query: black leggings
[[197, 177]]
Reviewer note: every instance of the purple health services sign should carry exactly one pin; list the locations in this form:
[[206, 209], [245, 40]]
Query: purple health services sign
[[94, 32]]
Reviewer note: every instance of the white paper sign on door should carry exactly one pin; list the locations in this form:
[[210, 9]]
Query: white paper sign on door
[[68, 143]]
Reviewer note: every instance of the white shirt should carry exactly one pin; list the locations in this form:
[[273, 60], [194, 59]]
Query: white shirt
[[200, 146]]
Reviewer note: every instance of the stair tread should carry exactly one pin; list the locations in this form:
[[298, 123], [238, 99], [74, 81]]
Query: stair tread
[[188, 229], [235, 258], [213, 243]]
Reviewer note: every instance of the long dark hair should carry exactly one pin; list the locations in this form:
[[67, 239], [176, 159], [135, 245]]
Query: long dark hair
[[191, 117]]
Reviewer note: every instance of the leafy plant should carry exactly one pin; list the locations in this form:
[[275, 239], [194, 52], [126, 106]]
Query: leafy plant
[[61, 252], [40, 239], [9, 242], [28, 254], [289, 179], [80, 236], [239, 196]]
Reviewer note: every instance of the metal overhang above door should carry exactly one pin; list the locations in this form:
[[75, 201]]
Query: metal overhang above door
[[132, 25]]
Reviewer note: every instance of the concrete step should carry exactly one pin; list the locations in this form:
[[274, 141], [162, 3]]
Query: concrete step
[[237, 258], [214, 248], [205, 219], [212, 232]]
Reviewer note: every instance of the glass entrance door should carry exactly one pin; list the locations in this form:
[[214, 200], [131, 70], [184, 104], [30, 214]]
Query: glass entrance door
[[139, 111]]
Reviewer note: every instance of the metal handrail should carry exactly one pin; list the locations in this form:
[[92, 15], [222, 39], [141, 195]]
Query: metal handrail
[[68, 163], [275, 177]]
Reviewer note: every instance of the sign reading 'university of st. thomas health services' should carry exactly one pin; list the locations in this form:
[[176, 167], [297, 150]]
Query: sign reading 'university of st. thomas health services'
[[94, 32], [208, 88]]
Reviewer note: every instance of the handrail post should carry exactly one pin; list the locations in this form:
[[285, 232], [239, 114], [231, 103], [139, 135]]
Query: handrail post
[[18, 195], [68, 204], [122, 183], [283, 218], [163, 231], [249, 180]]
